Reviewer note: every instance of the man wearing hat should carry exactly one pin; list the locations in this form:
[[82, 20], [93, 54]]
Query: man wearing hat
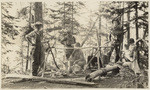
[[38, 50], [117, 33], [68, 41], [117, 39]]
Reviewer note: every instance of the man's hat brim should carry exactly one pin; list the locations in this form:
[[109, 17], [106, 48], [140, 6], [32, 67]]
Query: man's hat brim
[[38, 23]]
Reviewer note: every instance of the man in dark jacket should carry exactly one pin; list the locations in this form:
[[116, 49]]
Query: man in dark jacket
[[117, 34], [68, 41], [35, 39]]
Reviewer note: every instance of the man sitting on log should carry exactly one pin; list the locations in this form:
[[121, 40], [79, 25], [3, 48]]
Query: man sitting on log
[[77, 60]]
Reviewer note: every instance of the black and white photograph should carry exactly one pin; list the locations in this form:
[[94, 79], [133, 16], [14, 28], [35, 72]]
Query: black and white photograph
[[83, 44]]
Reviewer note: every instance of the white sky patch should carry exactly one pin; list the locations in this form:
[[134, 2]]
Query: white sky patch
[[90, 6]]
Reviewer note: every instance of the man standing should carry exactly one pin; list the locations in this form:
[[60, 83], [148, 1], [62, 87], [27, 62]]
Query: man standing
[[38, 50], [68, 41], [117, 32], [117, 39]]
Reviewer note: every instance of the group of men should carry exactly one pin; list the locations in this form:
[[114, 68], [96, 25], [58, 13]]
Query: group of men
[[75, 57]]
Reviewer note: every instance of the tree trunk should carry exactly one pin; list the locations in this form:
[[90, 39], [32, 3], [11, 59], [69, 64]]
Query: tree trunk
[[38, 55], [38, 11]]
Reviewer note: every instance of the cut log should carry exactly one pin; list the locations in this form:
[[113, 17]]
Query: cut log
[[99, 72], [52, 80]]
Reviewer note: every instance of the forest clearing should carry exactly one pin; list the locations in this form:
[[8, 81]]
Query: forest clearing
[[74, 44]]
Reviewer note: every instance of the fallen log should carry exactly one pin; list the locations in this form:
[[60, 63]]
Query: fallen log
[[52, 80], [108, 68], [101, 71]]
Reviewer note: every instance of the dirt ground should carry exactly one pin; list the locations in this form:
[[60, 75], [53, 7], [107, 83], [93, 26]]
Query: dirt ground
[[124, 79], [104, 82]]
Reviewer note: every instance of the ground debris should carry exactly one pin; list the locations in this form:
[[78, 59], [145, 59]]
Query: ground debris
[[131, 80]]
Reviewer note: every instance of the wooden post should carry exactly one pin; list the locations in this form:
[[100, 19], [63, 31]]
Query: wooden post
[[136, 26], [136, 20], [64, 16], [72, 18], [30, 18], [27, 63], [27, 57], [98, 39], [89, 32], [128, 28], [122, 24], [22, 54]]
